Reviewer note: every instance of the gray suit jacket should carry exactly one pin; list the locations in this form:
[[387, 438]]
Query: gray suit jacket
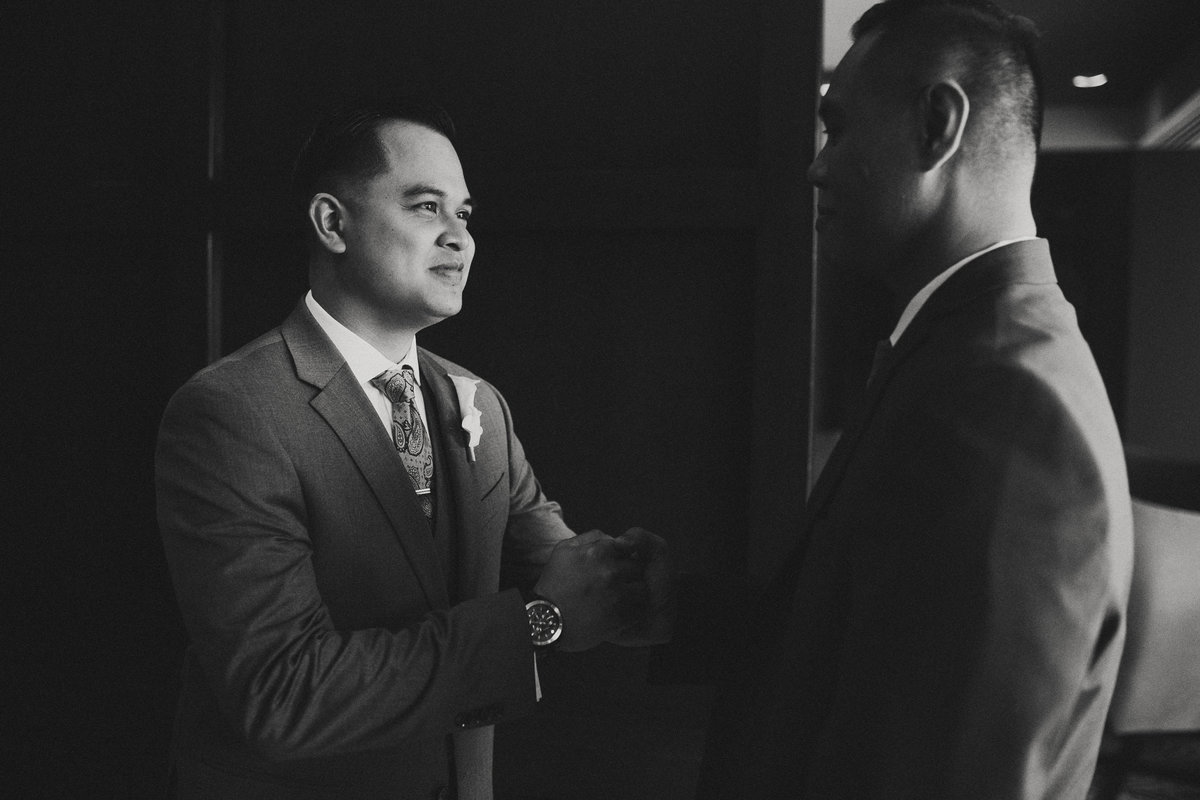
[[331, 654], [951, 620]]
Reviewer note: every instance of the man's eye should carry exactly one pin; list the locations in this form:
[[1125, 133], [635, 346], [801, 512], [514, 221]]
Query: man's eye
[[464, 215], [429, 206]]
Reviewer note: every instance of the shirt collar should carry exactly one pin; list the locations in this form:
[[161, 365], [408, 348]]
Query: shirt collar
[[363, 359], [920, 298]]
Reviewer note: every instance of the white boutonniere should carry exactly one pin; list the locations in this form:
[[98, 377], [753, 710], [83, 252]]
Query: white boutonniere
[[471, 416]]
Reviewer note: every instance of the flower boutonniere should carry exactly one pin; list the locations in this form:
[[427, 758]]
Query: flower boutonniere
[[471, 416]]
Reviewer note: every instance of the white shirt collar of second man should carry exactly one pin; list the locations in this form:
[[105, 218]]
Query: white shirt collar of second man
[[920, 298]]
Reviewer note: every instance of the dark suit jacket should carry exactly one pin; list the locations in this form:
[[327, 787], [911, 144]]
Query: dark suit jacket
[[336, 642], [950, 623]]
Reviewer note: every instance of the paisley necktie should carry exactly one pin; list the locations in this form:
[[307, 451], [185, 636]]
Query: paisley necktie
[[408, 432]]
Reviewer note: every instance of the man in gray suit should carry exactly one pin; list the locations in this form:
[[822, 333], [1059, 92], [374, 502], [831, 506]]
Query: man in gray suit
[[950, 622], [336, 505]]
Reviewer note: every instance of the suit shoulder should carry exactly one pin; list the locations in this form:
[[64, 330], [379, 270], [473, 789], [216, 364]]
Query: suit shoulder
[[262, 361], [254, 355]]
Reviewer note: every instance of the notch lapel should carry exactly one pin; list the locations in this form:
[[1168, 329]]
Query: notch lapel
[[343, 405], [858, 421]]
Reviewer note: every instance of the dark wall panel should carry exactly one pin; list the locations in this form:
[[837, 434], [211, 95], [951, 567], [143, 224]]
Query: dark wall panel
[[110, 103], [102, 314], [1164, 321], [535, 86], [101, 330]]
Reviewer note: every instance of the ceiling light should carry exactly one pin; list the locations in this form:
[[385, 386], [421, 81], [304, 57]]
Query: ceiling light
[[1089, 81]]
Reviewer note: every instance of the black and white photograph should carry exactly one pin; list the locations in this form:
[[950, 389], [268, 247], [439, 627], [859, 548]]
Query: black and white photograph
[[678, 400]]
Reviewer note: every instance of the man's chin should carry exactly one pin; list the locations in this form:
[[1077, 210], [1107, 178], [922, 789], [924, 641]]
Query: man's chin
[[445, 311]]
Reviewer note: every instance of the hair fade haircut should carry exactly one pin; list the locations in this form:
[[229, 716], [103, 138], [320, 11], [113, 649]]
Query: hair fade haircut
[[345, 144], [992, 51]]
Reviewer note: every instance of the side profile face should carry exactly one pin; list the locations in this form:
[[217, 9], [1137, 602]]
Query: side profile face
[[868, 199], [407, 248]]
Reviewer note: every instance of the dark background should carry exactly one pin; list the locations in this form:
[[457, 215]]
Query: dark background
[[641, 294]]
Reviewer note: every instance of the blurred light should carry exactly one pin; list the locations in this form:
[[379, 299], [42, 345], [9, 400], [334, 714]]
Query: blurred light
[[1089, 81], [824, 89]]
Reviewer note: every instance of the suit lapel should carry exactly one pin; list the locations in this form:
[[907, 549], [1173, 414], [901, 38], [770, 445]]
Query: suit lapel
[[460, 471], [1021, 262], [857, 422], [342, 403]]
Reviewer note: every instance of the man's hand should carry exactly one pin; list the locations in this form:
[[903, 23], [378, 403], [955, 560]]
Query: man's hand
[[597, 585], [656, 625]]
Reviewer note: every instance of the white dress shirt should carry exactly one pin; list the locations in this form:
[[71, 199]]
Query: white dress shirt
[[367, 363]]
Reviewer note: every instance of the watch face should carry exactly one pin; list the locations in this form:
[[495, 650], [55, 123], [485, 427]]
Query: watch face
[[545, 623]]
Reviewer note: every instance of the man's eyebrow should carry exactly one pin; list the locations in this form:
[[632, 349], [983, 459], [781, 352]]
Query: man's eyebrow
[[418, 189]]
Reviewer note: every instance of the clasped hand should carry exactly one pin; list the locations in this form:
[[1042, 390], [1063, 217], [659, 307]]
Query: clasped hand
[[619, 590]]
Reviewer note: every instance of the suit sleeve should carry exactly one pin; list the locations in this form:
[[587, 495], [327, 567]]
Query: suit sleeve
[[535, 523], [234, 525], [985, 617]]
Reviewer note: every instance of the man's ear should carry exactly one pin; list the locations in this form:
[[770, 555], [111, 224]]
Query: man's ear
[[326, 215], [944, 108]]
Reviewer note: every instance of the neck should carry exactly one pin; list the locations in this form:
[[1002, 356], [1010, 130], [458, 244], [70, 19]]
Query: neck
[[964, 230], [393, 345], [389, 338]]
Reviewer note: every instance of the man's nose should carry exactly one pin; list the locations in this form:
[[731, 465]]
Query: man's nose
[[455, 236]]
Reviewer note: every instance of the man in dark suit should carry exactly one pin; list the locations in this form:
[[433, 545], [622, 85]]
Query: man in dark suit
[[950, 623], [336, 505]]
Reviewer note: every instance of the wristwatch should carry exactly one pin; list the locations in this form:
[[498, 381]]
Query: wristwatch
[[545, 622]]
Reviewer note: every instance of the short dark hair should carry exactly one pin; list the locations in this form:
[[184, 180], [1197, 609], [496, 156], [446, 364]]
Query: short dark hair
[[345, 143], [993, 53]]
